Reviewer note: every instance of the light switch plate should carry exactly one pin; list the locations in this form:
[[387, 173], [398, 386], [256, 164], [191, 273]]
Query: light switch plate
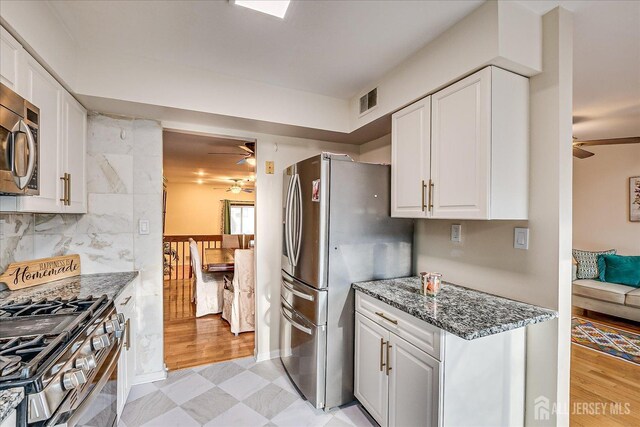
[[521, 238], [268, 165], [143, 226], [456, 233]]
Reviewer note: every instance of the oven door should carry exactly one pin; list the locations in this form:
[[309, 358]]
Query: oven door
[[99, 406]]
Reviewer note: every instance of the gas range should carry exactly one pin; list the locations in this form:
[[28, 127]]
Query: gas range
[[62, 352]]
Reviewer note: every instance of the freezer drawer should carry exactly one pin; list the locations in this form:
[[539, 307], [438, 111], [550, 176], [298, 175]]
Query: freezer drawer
[[305, 300], [303, 351]]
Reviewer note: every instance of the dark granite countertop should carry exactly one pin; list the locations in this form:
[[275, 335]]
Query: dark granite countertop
[[110, 284], [461, 311], [9, 399]]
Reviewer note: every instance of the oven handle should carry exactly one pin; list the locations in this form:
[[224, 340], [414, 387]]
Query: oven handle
[[78, 412]]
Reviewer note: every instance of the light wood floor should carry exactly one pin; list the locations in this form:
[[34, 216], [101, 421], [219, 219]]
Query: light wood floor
[[191, 341], [597, 377]]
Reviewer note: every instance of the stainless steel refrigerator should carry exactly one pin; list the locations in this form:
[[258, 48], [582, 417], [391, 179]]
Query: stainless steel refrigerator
[[337, 230]]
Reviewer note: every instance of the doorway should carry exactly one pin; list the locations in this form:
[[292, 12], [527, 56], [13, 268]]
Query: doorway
[[208, 238]]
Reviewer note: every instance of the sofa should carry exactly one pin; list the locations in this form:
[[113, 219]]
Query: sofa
[[604, 297]]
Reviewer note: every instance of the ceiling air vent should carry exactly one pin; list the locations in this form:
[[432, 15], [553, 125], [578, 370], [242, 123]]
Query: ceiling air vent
[[368, 101]]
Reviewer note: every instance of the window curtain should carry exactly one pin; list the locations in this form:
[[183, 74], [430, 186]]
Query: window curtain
[[226, 213]]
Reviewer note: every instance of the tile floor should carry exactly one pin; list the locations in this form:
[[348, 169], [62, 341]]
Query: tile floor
[[231, 394]]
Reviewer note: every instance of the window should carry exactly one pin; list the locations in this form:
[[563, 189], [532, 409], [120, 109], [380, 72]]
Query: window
[[242, 219]]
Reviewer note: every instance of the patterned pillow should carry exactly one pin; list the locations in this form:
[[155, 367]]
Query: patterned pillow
[[588, 262]]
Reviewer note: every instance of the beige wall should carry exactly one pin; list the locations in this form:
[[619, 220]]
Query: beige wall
[[377, 151], [601, 199], [196, 209]]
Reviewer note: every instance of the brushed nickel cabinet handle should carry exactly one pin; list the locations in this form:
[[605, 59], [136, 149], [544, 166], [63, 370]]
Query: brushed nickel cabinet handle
[[64, 189], [382, 354], [127, 344], [68, 189], [431, 188], [395, 322], [388, 358], [126, 301]]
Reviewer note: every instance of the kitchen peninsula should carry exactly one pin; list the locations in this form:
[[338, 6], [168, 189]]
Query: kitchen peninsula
[[456, 359]]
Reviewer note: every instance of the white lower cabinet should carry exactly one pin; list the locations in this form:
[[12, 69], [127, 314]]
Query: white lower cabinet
[[126, 304], [409, 373], [371, 386], [414, 380]]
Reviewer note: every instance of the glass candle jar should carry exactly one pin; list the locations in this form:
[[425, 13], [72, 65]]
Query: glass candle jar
[[423, 283], [434, 281]]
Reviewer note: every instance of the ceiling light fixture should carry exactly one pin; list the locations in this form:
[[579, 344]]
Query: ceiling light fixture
[[235, 189], [276, 8], [251, 160]]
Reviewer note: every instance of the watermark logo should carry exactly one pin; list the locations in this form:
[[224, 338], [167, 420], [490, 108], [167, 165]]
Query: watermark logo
[[541, 408]]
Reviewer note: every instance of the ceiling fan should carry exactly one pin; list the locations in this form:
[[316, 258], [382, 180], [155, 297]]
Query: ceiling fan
[[583, 154], [237, 187], [248, 156]]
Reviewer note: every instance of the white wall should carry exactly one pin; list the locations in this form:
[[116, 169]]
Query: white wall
[[501, 33], [377, 151], [486, 259], [601, 199], [283, 151]]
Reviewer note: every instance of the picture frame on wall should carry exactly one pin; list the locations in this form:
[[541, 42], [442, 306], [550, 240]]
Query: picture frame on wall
[[634, 199]]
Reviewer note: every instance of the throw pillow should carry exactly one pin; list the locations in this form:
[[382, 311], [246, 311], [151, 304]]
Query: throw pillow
[[624, 270], [588, 262]]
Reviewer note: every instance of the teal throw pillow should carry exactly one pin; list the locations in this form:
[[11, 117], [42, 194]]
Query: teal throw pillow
[[624, 270]]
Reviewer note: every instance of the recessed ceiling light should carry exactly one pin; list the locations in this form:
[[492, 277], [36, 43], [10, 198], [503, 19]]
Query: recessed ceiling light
[[270, 7], [200, 181]]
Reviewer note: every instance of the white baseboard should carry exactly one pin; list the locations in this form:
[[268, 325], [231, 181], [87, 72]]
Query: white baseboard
[[150, 377], [261, 357]]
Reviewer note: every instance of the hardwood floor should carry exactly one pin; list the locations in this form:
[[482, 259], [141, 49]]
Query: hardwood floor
[[191, 341], [603, 379]]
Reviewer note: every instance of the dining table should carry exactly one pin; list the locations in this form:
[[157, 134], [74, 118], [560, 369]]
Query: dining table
[[218, 259]]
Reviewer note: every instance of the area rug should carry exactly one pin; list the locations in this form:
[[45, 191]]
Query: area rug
[[607, 339]]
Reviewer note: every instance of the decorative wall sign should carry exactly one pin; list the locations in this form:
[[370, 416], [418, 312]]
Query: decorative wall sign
[[634, 199], [38, 271]]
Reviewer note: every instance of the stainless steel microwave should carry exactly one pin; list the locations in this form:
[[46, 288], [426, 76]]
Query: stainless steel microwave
[[19, 154]]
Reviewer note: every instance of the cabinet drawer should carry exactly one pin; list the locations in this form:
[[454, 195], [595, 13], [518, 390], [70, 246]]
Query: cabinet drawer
[[421, 334], [125, 303]]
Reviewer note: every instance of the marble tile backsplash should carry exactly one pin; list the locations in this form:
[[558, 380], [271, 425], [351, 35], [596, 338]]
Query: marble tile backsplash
[[124, 185]]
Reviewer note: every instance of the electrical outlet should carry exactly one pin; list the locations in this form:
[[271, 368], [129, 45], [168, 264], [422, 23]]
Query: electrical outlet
[[456, 233], [269, 167], [143, 226]]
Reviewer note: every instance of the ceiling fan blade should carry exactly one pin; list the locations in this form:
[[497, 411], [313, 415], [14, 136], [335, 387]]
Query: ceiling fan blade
[[241, 161], [245, 148], [581, 154], [227, 154], [610, 141]]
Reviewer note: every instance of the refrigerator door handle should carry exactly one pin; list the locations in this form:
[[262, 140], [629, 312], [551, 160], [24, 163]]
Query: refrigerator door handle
[[287, 224], [296, 293], [298, 186], [295, 324]]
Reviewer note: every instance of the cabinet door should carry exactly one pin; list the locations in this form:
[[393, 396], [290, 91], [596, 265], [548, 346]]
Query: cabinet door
[[74, 137], [370, 378], [126, 305], [10, 61], [410, 159], [414, 385], [460, 148], [45, 92]]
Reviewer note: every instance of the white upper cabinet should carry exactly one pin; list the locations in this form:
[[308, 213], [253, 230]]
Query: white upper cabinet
[[410, 160], [11, 56], [74, 136], [62, 135], [479, 145]]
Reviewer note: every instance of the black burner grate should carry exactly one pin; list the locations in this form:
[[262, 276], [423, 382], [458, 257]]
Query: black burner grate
[[54, 306]]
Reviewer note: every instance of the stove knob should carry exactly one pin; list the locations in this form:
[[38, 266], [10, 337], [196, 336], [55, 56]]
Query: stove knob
[[119, 317], [86, 363], [73, 379], [99, 342], [110, 326]]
